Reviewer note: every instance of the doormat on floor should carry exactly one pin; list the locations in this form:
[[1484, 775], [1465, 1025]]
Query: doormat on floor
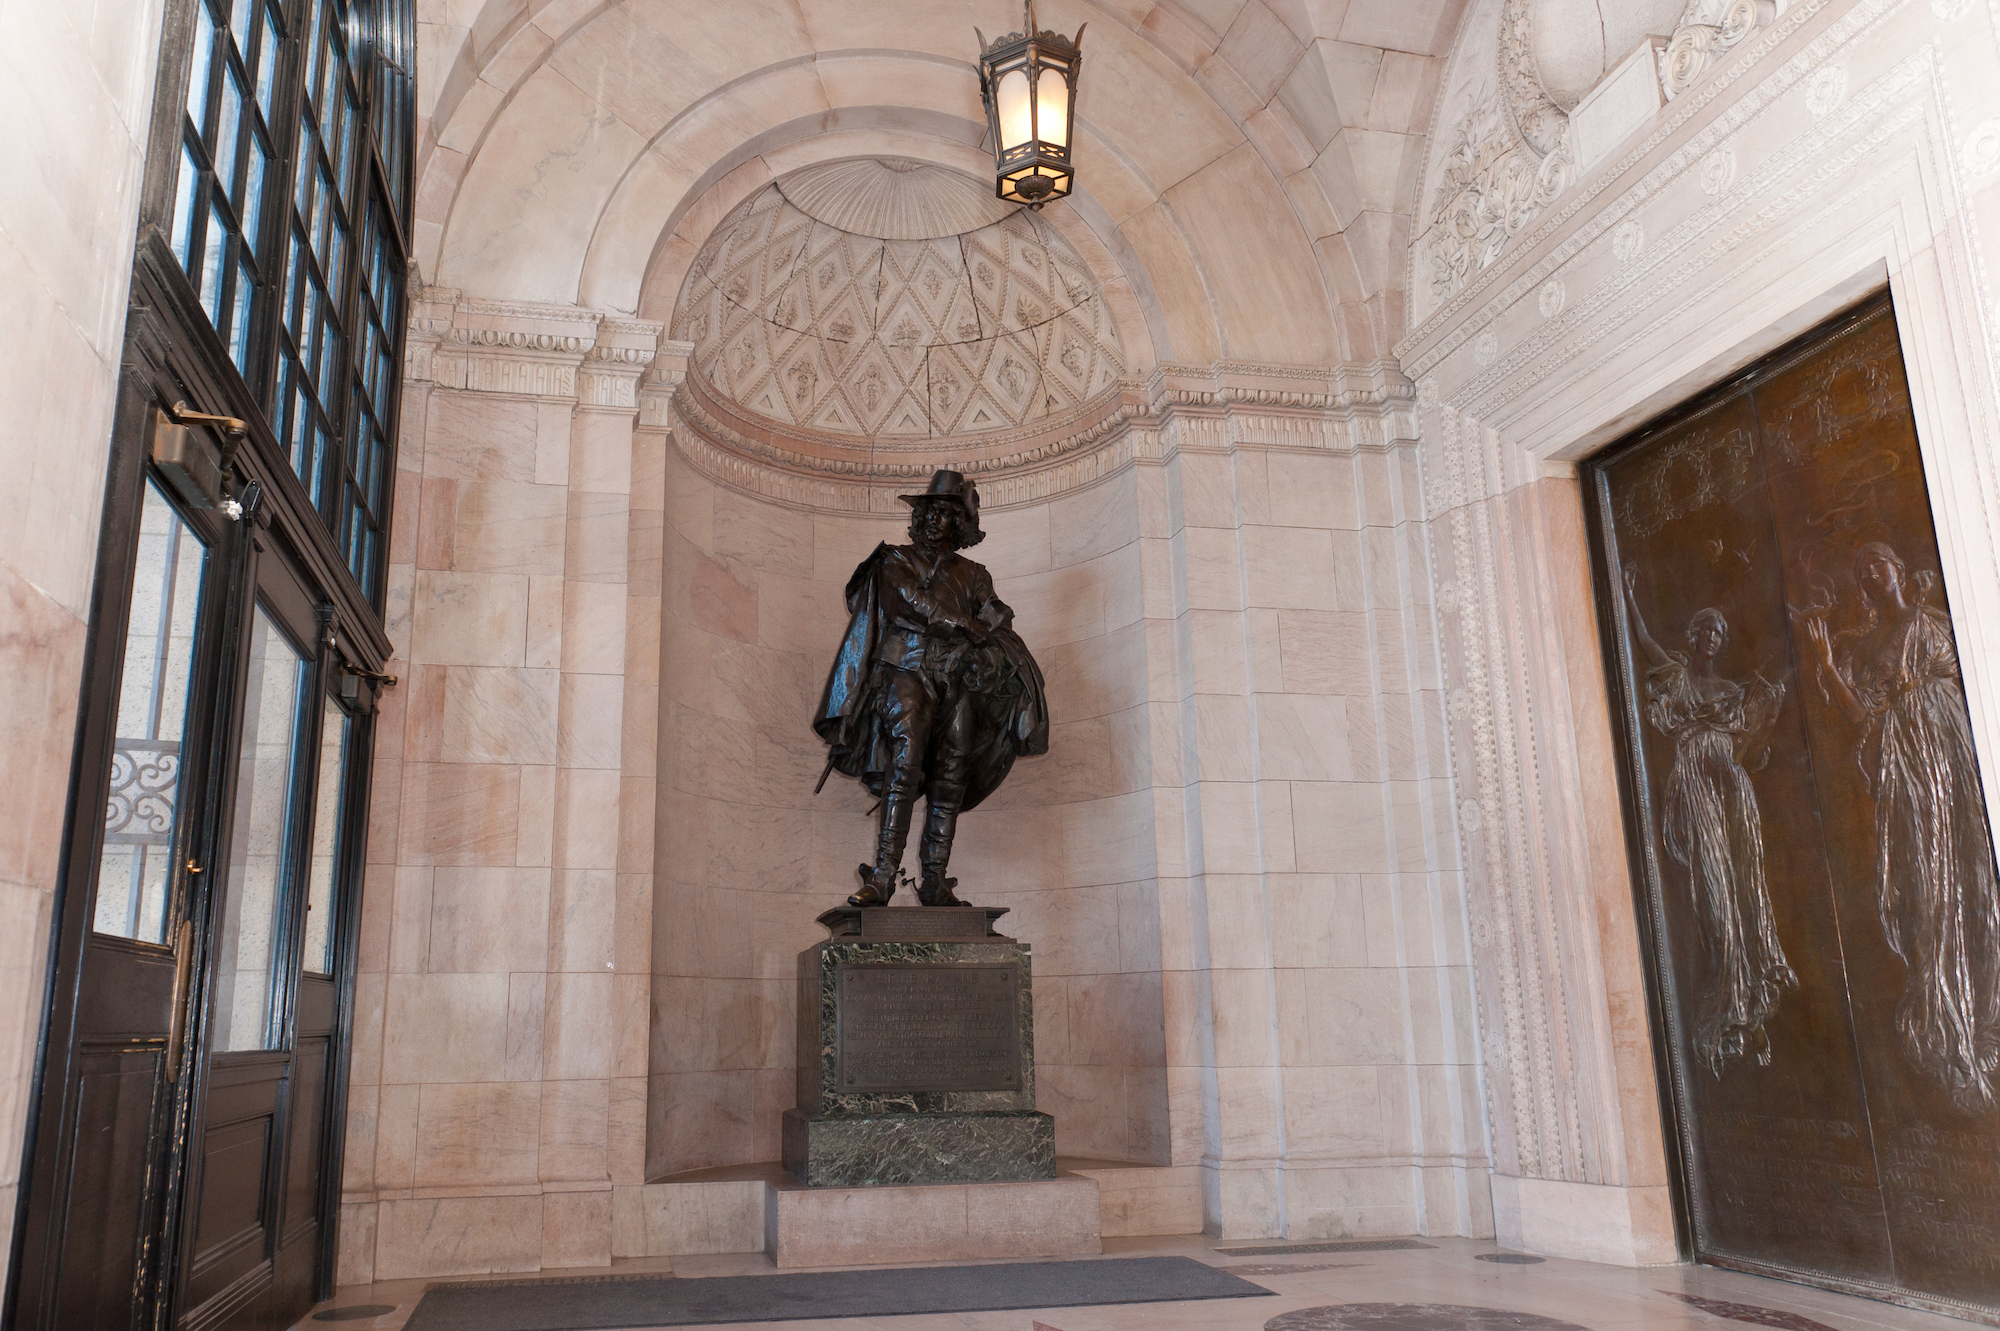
[[1345, 1245], [604, 1303]]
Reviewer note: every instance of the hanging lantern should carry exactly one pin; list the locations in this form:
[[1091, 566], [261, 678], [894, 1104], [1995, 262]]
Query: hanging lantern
[[1028, 82]]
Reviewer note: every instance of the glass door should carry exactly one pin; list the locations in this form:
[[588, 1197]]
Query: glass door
[[186, 1137], [254, 1205], [109, 1089]]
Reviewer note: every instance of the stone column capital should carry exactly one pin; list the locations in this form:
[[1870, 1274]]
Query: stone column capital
[[609, 375], [667, 372], [431, 310]]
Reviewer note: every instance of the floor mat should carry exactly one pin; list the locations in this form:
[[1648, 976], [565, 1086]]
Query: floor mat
[[1344, 1245], [604, 1303]]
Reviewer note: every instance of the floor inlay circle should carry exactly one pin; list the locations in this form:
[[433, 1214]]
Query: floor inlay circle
[[1412, 1317]]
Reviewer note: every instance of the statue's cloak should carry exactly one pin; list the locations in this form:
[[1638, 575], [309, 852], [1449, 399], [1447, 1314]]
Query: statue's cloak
[[1010, 721]]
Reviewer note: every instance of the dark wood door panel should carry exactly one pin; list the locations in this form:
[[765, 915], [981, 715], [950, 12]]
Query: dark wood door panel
[[303, 1155], [1809, 826], [319, 998], [234, 1176], [134, 1006], [235, 1217], [106, 1222]]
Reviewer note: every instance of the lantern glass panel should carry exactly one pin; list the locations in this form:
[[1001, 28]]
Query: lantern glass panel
[[1017, 126], [1052, 108]]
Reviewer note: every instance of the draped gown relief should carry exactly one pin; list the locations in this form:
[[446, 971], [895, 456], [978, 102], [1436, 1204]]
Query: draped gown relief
[[1936, 888], [1711, 827]]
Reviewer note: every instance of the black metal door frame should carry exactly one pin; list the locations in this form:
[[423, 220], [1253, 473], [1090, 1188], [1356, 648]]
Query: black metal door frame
[[171, 355]]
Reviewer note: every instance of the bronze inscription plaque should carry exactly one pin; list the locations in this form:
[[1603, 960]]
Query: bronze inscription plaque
[[1810, 829], [929, 1028]]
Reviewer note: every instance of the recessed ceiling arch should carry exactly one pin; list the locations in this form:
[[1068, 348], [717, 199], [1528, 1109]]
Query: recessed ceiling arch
[[1289, 125]]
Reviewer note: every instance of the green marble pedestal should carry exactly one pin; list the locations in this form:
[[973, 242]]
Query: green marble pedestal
[[916, 1053]]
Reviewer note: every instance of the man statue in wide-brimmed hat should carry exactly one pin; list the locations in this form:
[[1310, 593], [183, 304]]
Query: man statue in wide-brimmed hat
[[933, 693]]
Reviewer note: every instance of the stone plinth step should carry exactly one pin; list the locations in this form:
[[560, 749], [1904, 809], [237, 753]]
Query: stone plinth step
[[722, 1209], [843, 1152], [937, 1222]]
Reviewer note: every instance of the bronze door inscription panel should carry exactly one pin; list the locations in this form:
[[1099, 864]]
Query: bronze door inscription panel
[[1809, 825]]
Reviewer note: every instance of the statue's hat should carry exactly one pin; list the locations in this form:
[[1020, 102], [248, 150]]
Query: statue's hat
[[954, 486]]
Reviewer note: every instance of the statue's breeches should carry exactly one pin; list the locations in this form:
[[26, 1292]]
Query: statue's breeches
[[929, 727]]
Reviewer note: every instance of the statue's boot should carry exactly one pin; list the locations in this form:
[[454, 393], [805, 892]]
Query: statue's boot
[[878, 884], [940, 827]]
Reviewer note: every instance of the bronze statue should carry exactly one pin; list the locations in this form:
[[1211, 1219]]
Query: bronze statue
[[933, 693]]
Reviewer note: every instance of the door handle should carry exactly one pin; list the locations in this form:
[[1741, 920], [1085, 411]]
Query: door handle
[[183, 969]]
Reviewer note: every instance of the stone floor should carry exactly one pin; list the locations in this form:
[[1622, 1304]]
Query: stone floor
[[1480, 1295]]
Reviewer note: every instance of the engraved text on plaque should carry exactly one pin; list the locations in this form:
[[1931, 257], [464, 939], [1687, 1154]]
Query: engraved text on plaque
[[929, 1028]]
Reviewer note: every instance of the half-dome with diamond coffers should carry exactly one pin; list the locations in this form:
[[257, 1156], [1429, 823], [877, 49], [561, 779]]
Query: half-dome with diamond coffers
[[820, 305]]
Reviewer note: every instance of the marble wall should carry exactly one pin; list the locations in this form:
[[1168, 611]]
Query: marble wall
[[1237, 864], [76, 85], [1320, 1008], [500, 1028]]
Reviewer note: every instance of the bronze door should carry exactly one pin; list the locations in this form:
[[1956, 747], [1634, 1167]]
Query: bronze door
[[1809, 828]]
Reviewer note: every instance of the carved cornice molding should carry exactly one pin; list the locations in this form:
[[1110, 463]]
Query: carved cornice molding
[[1362, 387], [1219, 408], [797, 451], [1462, 320], [876, 493], [515, 348], [526, 349], [800, 448]]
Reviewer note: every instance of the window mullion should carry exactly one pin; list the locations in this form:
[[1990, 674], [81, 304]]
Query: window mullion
[[276, 220]]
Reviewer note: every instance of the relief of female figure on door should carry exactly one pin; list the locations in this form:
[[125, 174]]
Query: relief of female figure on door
[[1896, 677], [1711, 827]]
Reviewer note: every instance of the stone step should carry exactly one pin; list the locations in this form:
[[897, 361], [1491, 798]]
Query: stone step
[[930, 1222], [749, 1208]]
